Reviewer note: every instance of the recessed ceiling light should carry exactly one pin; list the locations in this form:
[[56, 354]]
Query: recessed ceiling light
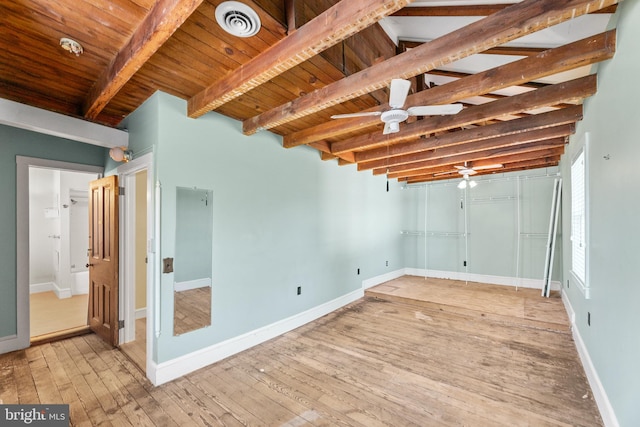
[[71, 46], [237, 19]]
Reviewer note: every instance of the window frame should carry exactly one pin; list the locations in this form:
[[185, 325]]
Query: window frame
[[579, 236]]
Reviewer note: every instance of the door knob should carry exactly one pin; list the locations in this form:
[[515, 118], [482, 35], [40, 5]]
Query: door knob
[[89, 265]]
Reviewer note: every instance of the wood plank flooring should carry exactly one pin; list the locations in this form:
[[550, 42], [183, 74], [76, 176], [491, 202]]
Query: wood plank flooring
[[191, 310], [523, 306], [384, 360], [137, 349]]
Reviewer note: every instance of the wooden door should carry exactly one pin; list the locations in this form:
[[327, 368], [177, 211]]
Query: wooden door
[[103, 258]]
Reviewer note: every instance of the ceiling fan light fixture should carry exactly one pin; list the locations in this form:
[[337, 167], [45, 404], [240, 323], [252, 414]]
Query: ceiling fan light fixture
[[392, 127], [237, 19], [392, 119], [465, 182], [394, 116]]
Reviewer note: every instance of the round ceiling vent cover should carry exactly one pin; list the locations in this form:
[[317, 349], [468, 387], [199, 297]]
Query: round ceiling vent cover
[[237, 18]]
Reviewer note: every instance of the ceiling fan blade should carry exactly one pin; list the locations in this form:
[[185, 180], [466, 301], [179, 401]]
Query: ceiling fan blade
[[494, 166], [398, 93], [361, 114], [460, 167], [434, 110], [444, 173]]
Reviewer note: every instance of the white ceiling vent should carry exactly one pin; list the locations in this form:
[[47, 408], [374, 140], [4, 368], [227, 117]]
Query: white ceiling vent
[[237, 18]]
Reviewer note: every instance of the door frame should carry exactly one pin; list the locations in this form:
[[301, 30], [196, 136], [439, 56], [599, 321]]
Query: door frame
[[22, 338], [126, 176]]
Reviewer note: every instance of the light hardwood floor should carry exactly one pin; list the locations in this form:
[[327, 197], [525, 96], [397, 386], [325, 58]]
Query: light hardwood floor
[[486, 356], [50, 314], [191, 310], [137, 349]]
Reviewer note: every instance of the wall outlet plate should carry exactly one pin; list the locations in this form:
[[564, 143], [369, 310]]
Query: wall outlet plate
[[167, 265]]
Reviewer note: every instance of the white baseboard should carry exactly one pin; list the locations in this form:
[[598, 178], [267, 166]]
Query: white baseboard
[[62, 293], [599, 394], [368, 283], [568, 308], [50, 286], [160, 373], [141, 313], [192, 284], [482, 278], [37, 288]]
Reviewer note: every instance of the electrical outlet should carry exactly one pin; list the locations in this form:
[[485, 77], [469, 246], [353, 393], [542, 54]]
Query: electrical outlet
[[299, 290], [567, 283], [358, 272], [387, 263], [588, 318], [464, 263]]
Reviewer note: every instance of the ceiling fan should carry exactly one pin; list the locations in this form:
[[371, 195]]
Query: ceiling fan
[[466, 171], [398, 92]]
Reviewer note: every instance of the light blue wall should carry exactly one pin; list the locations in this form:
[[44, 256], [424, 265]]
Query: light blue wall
[[18, 142], [282, 219], [498, 210], [611, 118], [143, 129]]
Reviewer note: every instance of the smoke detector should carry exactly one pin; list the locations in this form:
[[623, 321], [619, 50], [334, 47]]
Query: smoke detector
[[71, 46], [237, 19]]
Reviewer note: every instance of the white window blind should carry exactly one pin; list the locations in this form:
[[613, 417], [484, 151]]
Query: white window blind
[[578, 219]]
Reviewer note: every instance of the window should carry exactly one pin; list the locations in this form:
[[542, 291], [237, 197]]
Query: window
[[578, 219]]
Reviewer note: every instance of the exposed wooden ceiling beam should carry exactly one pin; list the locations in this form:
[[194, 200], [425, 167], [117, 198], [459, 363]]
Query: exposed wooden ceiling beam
[[500, 50], [510, 23], [330, 27], [568, 92], [466, 10], [545, 162], [448, 172], [551, 158], [399, 163], [327, 156], [475, 10], [290, 15], [495, 155], [459, 75], [322, 146], [514, 51], [538, 121], [163, 20], [583, 52]]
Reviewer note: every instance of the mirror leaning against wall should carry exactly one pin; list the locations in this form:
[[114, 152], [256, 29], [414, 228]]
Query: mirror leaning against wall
[[193, 259]]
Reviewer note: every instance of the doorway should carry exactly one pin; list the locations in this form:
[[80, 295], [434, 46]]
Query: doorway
[[22, 337], [137, 251], [126, 172], [58, 239]]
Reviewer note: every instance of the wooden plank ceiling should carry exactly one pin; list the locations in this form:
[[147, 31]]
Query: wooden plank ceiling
[[313, 59]]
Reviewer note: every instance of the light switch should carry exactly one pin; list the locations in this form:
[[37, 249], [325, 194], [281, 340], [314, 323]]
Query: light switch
[[167, 265]]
